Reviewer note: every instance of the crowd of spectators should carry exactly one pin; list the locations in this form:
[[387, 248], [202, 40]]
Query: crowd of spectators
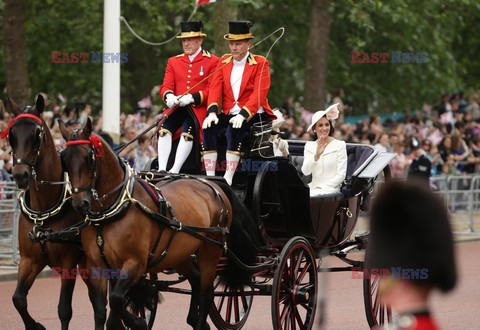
[[449, 132]]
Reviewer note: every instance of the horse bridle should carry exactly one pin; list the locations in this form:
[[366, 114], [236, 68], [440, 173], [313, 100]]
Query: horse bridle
[[41, 133], [92, 161]]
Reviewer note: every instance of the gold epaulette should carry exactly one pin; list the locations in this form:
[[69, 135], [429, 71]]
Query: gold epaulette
[[226, 58], [251, 59]]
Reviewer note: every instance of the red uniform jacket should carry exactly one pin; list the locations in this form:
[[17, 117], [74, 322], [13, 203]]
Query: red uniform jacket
[[181, 76], [413, 322], [253, 90]]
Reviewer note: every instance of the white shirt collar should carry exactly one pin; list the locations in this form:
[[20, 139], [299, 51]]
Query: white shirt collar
[[243, 60], [191, 57]]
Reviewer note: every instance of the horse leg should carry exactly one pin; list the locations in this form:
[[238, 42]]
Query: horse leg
[[27, 272], [113, 320], [65, 302], [208, 257], [97, 292], [190, 270], [117, 297]]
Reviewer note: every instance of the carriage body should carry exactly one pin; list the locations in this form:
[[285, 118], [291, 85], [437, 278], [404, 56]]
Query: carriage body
[[298, 230]]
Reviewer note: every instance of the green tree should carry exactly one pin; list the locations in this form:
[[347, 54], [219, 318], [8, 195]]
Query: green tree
[[15, 48], [316, 59]]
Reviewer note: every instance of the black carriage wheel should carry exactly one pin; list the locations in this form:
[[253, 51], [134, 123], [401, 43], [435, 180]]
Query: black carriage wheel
[[376, 312], [230, 308], [294, 292], [146, 314]]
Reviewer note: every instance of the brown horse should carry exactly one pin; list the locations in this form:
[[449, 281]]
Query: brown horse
[[140, 242], [37, 167]]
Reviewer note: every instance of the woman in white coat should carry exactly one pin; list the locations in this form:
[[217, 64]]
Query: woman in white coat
[[325, 158]]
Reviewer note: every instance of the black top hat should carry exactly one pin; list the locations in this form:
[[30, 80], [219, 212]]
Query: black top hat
[[410, 230], [239, 30], [191, 29]]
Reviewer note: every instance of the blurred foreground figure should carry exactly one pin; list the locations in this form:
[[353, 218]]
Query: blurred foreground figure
[[411, 242]]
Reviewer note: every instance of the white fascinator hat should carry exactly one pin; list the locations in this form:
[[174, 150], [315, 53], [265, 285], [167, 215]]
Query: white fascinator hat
[[331, 113]]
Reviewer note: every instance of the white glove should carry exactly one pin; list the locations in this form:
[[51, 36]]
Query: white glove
[[282, 145], [171, 100], [186, 100], [237, 121], [212, 118]]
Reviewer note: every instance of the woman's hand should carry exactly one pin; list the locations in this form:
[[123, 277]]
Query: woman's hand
[[321, 144]]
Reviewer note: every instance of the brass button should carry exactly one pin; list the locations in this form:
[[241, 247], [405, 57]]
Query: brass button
[[189, 71], [190, 65], [188, 76]]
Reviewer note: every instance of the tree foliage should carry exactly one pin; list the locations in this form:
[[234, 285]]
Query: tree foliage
[[443, 29]]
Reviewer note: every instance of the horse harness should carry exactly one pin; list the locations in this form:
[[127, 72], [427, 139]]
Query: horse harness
[[125, 198], [38, 233], [174, 224]]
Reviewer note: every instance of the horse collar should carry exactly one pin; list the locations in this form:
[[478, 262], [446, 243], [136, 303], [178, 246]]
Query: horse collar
[[39, 216]]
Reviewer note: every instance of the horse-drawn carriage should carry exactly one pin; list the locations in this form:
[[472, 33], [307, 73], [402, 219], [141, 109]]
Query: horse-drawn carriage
[[295, 229]]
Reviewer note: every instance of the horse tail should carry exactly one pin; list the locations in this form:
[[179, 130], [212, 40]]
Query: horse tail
[[243, 241], [144, 295]]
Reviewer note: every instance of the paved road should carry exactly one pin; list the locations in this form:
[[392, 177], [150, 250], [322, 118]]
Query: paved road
[[345, 310]]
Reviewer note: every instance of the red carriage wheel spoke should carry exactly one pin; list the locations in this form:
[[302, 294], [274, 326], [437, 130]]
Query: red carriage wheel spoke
[[381, 316], [220, 304], [376, 307], [233, 313], [302, 274], [285, 314], [244, 300], [236, 309], [282, 299], [292, 319], [298, 263], [375, 284], [298, 318], [307, 308], [229, 310]]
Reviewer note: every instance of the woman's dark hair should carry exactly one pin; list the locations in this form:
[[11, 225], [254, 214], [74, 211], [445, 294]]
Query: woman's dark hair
[[332, 129]]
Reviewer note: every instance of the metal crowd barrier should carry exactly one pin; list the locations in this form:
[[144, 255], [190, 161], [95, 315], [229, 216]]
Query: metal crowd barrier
[[462, 197], [9, 213], [461, 194]]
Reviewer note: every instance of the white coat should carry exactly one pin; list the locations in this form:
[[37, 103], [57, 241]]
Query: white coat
[[329, 171]]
